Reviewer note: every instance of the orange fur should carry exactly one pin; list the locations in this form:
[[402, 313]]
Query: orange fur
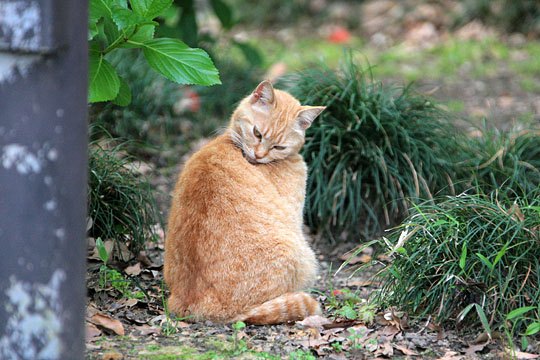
[[235, 249]]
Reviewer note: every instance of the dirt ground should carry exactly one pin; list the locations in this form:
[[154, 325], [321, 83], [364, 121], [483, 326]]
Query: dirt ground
[[131, 326]]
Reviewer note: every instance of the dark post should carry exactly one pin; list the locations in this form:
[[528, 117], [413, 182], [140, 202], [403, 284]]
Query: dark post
[[43, 166]]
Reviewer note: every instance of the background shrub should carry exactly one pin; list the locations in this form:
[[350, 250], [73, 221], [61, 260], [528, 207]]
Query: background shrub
[[467, 249], [121, 203], [508, 15], [372, 150]]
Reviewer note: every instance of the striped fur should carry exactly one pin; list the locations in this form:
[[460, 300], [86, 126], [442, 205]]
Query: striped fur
[[285, 308], [234, 242]]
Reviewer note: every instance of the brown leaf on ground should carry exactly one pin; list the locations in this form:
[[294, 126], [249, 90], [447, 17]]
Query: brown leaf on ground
[[363, 258], [107, 322], [474, 348], [133, 270], [436, 327], [384, 258], [391, 317], [362, 283], [129, 302], [385, 349], [509, 354], [122, 252], [341, 324], [146, 330], [406, 351], [482, 338], [112, 355], [144, 259], [314, 321], [390, 331], [313, 343], [92, 332], [451, 355], [91, 310]]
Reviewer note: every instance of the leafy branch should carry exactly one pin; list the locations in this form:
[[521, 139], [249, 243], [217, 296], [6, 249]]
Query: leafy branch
[[121, 24]]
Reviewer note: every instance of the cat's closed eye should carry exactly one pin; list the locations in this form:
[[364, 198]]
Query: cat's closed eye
[[257, 133], [277, 147]]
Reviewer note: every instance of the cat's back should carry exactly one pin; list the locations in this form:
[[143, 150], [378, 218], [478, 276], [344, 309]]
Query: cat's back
[[217, 166]]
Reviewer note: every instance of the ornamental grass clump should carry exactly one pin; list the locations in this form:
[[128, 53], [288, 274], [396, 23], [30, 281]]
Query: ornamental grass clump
[[121, 205], [372, 152], [502, 160], [469, 258]]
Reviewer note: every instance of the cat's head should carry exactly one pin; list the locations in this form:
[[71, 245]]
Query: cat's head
[[270, 124]]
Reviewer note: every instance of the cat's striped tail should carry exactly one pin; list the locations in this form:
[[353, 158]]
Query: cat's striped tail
[[285, 308]]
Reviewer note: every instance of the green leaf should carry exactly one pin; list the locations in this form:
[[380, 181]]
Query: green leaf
[[463, 257], [145, 33], [239, 325], [524, 343], [501, 253], [252, 54], [102, 251], [110, 30], [348, 312], [180, 63], [149, 9], [483, 319], [519, 311], [464, 312], [124, 94], [92, 31], [533, 328], [485, 261], [124, 18], [223, 12], [104, 82], [99, 9]]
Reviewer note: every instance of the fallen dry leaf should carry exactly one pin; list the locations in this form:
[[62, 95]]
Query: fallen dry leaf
[[362, 283], [482, 338], [142, 257], [385, 349], [314, 321], [91, 310], [406, 351], [451, 355], [92, 332], [390, 331], [313, 343], [474, 348], [133, 270], [112, 355], [145, 330], [393, 317], [130, 302], [436, 327], [108, 322], [508, 353], [363, 258]]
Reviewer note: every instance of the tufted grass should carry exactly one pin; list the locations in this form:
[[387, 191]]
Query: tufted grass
[[374, 149]]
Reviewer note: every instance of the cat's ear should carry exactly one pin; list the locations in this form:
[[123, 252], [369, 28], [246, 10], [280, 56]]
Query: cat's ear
[[263, 94], [308, 114]]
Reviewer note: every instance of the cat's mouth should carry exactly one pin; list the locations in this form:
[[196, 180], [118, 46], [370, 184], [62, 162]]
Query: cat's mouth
[[250, 159], [253, 161]]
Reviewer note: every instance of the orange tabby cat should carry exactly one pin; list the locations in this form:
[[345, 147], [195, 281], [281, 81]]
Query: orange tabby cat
[[235, 249]]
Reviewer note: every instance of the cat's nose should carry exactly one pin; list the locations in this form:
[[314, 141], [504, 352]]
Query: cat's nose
[[260, 154]]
